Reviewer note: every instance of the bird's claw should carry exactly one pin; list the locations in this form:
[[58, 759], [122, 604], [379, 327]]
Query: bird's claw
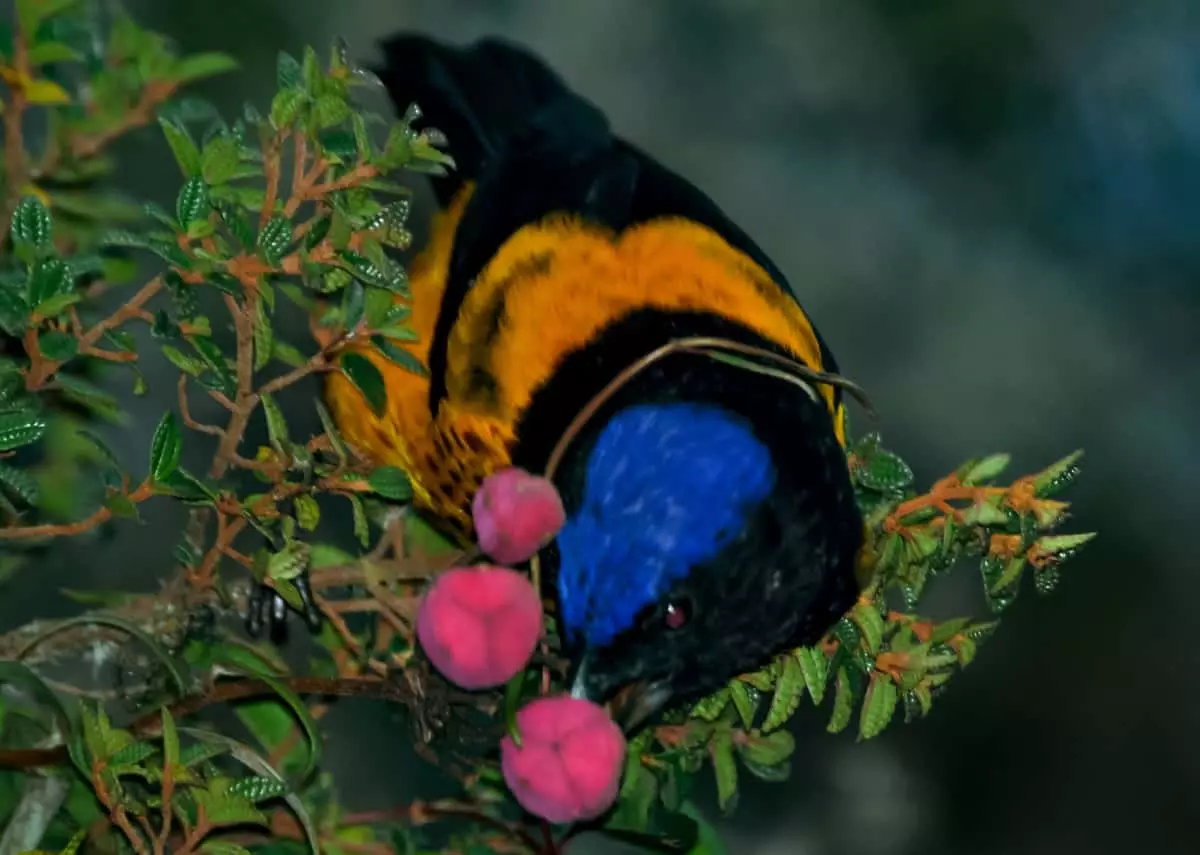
[[270, 610]]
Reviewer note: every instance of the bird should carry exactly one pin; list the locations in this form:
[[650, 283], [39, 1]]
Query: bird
[[710, 519]]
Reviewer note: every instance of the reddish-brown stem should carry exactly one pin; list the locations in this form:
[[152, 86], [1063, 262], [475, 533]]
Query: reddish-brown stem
[[98, 517]]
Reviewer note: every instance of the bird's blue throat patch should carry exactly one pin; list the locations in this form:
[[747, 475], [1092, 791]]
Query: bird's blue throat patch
[[667, 486]]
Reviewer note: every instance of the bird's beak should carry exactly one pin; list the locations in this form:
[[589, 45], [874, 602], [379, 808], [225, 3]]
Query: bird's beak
[[631, 706]]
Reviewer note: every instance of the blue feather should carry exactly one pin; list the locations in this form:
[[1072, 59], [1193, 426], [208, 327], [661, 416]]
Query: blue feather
[[666, 487]]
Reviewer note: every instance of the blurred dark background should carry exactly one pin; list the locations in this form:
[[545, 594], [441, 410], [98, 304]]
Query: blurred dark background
[[992, 208]]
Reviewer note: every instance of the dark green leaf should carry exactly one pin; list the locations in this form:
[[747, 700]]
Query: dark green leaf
[[219, 160], [298, 708], [166, 448], [20, 429], [13, 312], [49, 278], [201, 65], [367, 379], [58, 345], [724, 768], [31, 228], [353, 304], [330, 110], [276, 424], [289, 562], [308, 512], [192, 203], [287, 105], [288, 73], [878, 706], [885, 471], [391, 483], [263, 336], [187, 155], [745, 701], [789, 689], [843, 703], [19, 482], [399, 355], [361, 528], [275, 239], [258, 789], [769, 750]]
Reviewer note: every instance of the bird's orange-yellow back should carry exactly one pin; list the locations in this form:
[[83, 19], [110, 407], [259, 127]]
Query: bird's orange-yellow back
[[549, 290]]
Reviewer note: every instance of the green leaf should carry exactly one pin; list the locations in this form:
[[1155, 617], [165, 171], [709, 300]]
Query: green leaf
[[201, 65], [367, 379], [789, 689], [219, 161], [170, 739], [985, 470], [166, 448], [743, 702], [50, 277], [878, 706], [14, 312], [353, 304], [186, 364], [361, 528], [20, 483], [724, 768], [1058, 476], [330, 110], [391, 483], [263, 336], [639, 789], [885, 471], [275, 239], [710, 708], [187, 155], [286, 106], [288, 73], [133, 754], [57, 345], [224, 809], [399, 355], [31, 228], [289, 562], [870, 622], [843, 703], [769, 750], [297, 707], [277, 431], [31, 13], [56, 305], [20, 429], [51, 52], [815, 666], [308, 511], [258, 789], [192, 203], [223, 847]]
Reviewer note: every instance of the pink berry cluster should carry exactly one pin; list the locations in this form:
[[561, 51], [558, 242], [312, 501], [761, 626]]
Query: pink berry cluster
[[479, 626]]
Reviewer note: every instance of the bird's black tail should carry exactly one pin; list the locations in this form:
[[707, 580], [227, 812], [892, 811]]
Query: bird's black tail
[[486, 97]]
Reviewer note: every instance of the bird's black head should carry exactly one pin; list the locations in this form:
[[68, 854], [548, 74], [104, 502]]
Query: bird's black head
[[711, 524]]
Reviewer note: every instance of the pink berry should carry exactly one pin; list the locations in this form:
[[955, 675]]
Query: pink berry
[[479, 625], [516, 514], [568, 766]]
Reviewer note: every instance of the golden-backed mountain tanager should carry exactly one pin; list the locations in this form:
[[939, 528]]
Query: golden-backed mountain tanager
[[710, 518]]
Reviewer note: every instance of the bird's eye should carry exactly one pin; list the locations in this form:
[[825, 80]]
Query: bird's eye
[[678, 613]]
